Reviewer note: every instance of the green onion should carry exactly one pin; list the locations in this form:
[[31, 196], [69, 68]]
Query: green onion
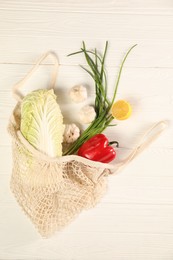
[[96, 63]]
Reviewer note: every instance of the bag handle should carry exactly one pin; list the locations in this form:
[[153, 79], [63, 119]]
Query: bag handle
[[145, 141], [17, 95]]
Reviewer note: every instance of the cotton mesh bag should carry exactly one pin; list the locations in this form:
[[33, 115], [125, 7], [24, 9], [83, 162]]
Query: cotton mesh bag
[[52, 191]]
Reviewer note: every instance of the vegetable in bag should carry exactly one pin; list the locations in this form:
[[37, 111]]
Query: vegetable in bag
[[42, 122], [98, 148]]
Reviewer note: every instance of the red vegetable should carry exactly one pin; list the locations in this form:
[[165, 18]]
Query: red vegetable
[[97, 149]]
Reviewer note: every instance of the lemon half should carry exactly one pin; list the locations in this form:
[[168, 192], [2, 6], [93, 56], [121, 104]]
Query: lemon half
[[121, 110]]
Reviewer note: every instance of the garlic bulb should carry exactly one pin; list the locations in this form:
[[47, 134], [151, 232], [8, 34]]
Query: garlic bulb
[[87, 114], [71, 133], [78, 93]]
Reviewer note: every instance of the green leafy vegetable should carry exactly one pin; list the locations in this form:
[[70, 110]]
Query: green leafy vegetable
[[96, 63], [42, 122]]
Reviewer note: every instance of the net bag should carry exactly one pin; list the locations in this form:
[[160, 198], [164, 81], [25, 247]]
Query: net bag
[[53, 191]]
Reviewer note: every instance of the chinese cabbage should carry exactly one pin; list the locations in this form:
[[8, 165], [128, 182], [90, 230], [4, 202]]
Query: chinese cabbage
[[42, 122]]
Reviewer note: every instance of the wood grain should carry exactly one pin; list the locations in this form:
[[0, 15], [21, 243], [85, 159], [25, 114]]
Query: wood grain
[[128, 188], [159, 168], [148, 7], [108, 246], [134, 219], [31, 35], [28, 48]]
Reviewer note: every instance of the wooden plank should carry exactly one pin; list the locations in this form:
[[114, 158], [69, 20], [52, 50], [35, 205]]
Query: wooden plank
[[136, 130], [32, 35], [135, 81], [152, 166], [150, 53], [148, 7], [134, 185], [81, 245], [105, 246], [146, 219], [144, 108], [146, 99], [134, 219]]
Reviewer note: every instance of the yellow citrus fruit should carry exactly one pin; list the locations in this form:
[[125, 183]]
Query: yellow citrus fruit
[[121, 110]]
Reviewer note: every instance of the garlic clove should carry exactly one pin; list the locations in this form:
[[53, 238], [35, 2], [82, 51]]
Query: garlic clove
[[71, 133], [87, 114], [78, 93]]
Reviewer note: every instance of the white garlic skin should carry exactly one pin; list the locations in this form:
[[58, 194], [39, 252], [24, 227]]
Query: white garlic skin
[[71, 133], [87, 114], [78, 93]]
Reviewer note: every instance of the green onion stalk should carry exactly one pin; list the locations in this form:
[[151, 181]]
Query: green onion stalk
[[96, 63]]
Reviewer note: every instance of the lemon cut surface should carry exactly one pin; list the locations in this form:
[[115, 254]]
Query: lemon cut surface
[[121, 110]]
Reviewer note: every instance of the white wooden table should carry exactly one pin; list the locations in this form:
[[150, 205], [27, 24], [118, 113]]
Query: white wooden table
[[134, 221]]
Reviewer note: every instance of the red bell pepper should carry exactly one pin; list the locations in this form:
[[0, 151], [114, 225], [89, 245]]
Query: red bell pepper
[[97, 149]]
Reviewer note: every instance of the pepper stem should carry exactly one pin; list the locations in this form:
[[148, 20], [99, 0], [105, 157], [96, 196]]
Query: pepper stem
[[114, 142]]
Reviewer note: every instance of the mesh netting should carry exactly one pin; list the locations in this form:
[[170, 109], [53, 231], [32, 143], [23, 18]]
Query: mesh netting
[[52, 191]]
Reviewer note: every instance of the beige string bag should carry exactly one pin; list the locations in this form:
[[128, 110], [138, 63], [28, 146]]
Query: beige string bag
[[53, 191]]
